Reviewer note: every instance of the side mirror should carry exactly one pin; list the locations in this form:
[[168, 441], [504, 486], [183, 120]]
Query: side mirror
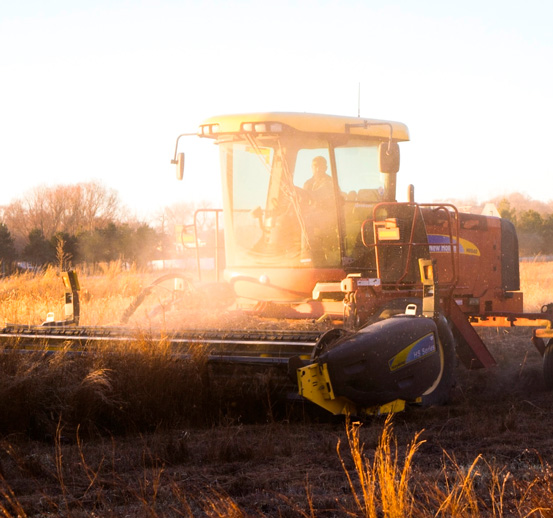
[[179, 162], [388, 157]]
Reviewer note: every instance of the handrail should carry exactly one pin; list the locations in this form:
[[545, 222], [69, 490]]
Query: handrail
[[452, 218], [454, 244]]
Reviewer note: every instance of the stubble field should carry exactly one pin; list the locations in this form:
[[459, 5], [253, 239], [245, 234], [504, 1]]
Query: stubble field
[[133, 433]]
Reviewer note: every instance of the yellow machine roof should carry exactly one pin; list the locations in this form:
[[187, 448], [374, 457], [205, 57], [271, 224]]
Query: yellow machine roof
[[312, 123]]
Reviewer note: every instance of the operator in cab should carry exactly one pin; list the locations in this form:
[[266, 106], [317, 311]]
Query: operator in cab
[[318, 244], [319, 186]]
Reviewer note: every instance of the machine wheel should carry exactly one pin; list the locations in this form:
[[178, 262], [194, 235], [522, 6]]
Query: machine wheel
[[548, 365], [439, 392], [170, 294]]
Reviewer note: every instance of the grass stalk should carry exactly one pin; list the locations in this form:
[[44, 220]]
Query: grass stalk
[[380, 488]]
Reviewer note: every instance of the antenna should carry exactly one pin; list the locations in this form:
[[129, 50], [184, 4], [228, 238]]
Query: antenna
[[359, 99]]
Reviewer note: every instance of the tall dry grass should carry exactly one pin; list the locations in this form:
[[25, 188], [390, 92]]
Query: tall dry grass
[[27, 298], [385, 486], [121, 389], [382, 487], [536, 282]]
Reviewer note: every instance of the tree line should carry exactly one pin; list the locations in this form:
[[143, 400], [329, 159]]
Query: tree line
[[534, 229], [83, 223]]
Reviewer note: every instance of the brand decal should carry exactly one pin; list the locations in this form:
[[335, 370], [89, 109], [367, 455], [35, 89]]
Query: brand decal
[[442, 244], [422, 347]]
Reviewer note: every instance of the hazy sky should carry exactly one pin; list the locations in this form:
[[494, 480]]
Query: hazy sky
[[99, 90]]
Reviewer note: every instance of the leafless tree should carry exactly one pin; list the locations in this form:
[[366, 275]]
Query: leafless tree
[[182, 214], [63, 208]]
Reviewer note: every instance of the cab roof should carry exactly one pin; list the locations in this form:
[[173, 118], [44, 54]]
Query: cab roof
[[305, 122]]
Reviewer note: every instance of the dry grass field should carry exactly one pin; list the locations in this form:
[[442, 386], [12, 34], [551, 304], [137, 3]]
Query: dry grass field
[[131, 432], [536, 279]]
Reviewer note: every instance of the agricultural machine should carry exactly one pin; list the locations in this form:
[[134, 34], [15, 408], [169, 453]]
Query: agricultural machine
[[313, 232]]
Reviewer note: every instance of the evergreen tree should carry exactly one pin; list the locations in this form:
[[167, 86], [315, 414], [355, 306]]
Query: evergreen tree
[[506, 212], [8, 253], [39, 251]]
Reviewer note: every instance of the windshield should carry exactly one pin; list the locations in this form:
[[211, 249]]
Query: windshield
[[296, 202]]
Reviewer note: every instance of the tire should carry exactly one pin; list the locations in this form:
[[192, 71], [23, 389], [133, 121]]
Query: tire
[[548, 365], [439, 393], [148, 290]]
